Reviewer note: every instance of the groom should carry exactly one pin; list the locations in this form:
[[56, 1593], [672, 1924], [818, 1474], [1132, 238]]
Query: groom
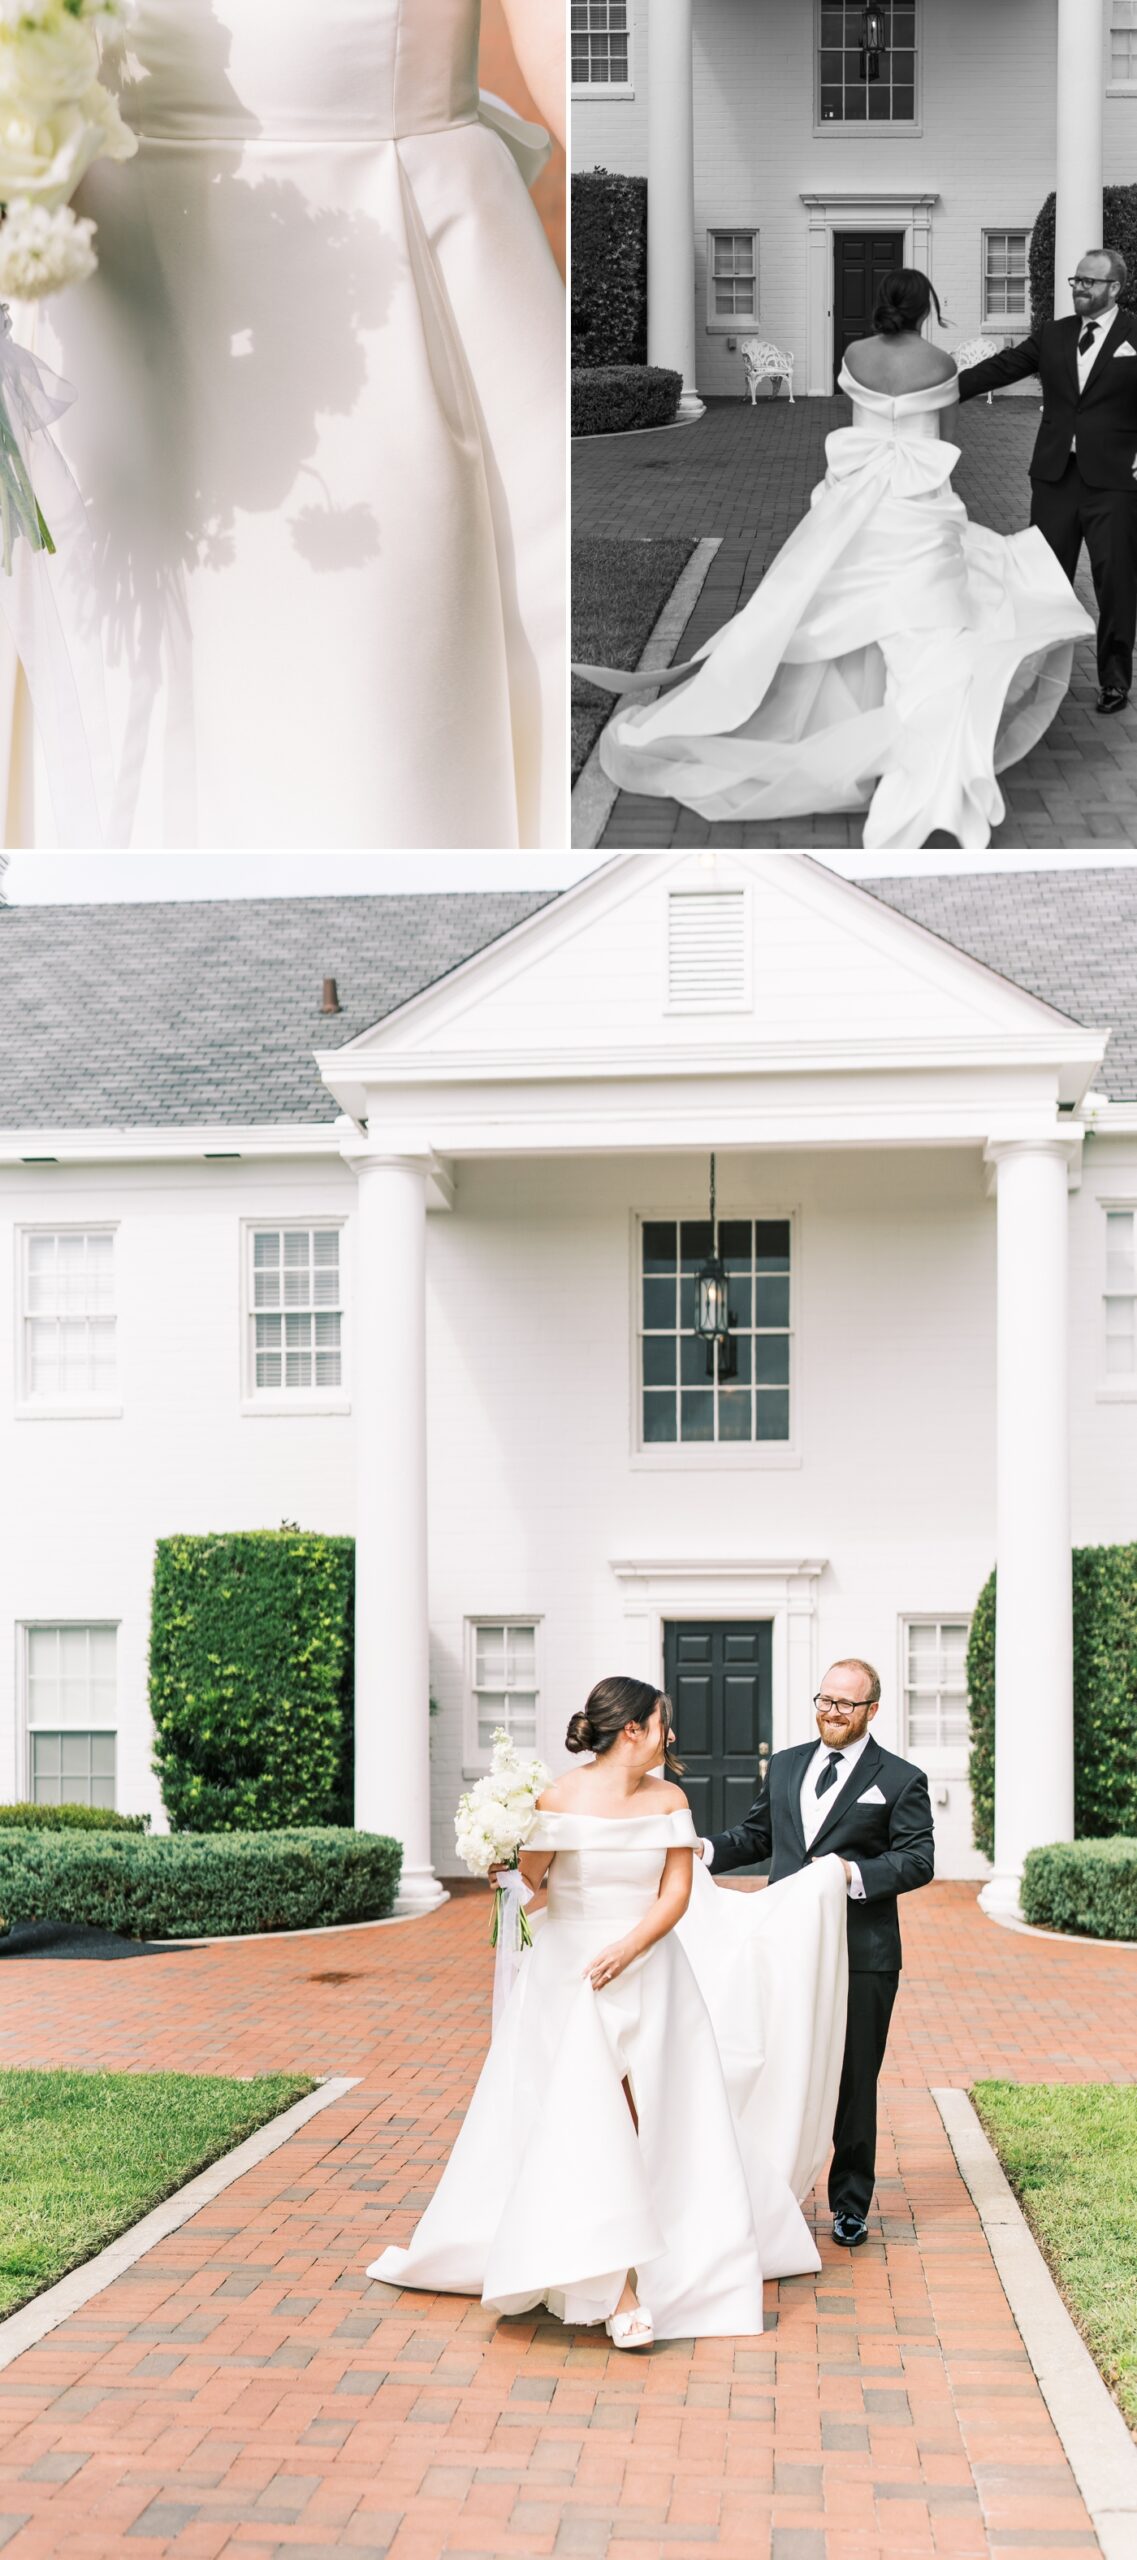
[[1082, 470], [844, 1793]]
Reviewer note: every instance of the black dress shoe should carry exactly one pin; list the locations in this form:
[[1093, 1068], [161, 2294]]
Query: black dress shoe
[[1113, 697], [849, 2229]]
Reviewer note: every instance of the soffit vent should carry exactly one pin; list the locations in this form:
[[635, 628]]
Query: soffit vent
[[707, 951]]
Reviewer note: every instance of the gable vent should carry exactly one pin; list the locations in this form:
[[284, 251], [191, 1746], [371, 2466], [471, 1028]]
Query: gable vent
[[706, 951]]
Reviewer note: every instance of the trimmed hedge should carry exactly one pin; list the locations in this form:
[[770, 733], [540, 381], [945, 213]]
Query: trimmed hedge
[[1118, 231], [1087, 1886], [251, 1655], [609, 268], [615, 398], [220, 1885], [69, 1817], [1105, 1696]]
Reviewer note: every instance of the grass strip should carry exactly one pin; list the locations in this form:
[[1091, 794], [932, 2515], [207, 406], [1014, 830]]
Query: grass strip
[[84, 2154], [619, 590], [1071, 2156]]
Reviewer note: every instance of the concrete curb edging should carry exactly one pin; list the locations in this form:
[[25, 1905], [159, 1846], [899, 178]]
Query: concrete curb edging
[[1057, 1937], [24, 2328], [593, 795], [1091, 2430]]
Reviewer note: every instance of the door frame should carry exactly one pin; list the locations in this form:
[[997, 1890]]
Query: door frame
[[720, 1589], [886, 210], [850, 231]]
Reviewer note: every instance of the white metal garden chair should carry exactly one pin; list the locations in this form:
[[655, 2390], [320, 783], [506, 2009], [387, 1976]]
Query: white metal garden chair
[[976, 351], [766, 363]]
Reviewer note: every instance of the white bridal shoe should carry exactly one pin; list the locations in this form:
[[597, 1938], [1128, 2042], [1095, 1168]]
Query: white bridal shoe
[[631, 2328]]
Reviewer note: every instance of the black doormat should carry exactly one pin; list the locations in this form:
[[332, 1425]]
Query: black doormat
[[87, 1946]]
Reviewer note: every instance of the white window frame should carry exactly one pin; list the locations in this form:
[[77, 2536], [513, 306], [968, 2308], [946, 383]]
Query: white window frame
[[1116, 10], [681, 1457], [1123, 1389], [829, 131], [942, 1759], [475, 1760], [276, 1401], [26, 1628], [63, 1408], [735, 326], [609, 88], [1010, 325]]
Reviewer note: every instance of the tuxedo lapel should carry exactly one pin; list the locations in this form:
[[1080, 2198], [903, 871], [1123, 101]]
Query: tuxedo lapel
[[801, 1759], [861, 1775], [1070, 331]]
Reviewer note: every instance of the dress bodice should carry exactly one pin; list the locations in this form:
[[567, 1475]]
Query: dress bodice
[[908, 417], [605, 1873], [214, 69]]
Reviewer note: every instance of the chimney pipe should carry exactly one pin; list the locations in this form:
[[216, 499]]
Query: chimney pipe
[[329, 1001]]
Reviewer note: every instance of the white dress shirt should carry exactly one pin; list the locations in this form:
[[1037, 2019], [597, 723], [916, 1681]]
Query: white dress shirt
[[1087, 361], [814, 1808]]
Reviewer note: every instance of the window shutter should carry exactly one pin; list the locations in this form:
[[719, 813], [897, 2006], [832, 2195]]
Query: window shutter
[[706, 951]]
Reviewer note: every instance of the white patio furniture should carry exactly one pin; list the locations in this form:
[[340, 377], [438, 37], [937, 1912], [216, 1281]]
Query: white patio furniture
[[976, 351], [766, 363]]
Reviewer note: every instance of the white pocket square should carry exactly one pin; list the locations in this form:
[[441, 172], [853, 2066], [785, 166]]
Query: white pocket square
[[872, 1795], [1124, 351]]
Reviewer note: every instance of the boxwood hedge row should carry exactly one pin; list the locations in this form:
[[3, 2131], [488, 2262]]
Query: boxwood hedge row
[[69, 1817], [609, 268], [1086, 1886], [212, 1885], [612, 399], [1105, 1696]]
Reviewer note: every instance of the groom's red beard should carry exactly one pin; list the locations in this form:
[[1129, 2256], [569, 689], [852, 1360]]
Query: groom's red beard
[[838, 1730]]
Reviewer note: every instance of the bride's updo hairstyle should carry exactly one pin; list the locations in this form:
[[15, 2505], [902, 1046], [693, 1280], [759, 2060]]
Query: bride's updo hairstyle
[[612, 1705], [905, 298]]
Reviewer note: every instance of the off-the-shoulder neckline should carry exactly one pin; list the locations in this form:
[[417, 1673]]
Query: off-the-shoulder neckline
[[565, 1813]]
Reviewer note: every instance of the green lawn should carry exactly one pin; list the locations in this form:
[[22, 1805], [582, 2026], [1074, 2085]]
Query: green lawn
[[1071, 2157], [619, 590], [83, 2154]]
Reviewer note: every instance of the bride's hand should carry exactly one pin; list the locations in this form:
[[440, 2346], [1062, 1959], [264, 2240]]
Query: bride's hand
[[611, 1961]]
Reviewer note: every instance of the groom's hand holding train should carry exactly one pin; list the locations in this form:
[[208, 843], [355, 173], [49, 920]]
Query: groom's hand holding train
[[843, 1794]]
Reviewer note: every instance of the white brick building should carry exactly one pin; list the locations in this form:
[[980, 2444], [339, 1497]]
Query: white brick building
[[415, 1270], [789, 163]]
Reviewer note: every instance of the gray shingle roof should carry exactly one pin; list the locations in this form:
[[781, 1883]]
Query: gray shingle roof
[[178, 1014], [1067, 936]]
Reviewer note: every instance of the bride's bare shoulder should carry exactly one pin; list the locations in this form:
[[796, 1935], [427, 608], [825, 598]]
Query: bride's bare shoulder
[[558, 1798], [668, 1797], [897, 364]]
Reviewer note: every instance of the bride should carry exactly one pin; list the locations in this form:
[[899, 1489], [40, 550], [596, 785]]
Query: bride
[[895, 657], [606, 2167]]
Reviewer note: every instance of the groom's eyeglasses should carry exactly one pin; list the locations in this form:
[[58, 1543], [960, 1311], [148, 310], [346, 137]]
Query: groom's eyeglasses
[[1088, 281], [840, 1706]]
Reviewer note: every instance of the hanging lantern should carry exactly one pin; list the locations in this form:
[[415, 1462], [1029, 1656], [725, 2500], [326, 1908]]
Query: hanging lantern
[[874, 34], [712, 1311]]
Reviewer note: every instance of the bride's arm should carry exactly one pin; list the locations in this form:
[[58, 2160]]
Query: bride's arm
[[669, 1906], [537, 30]]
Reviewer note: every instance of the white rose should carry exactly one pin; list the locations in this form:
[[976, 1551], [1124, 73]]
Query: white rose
[[41, 251], [42, 161], [47, 66]]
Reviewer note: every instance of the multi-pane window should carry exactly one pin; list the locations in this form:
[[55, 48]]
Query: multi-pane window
[[1005, 275], [935, 1683], [71, 1715], [733, 275], [600, 41], [297, 1311], [861, 81], [1121, 1293], [505, 1680], [1123, 42], [737, 1390], [69, 1321]]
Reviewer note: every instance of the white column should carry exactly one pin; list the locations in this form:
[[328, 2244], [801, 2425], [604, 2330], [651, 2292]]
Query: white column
[[671, 197], [392, 1664], [1081, 101], [1034, 1718]]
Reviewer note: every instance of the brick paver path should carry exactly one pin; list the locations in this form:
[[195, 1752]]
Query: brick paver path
[[245, 2390], [745, 474]]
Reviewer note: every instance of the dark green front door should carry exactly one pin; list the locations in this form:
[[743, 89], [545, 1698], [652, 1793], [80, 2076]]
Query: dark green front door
[[861, 261], [718, 1678]]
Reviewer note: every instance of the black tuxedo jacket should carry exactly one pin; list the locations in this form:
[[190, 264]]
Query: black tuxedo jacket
[[1103, 417], [892, 1842]]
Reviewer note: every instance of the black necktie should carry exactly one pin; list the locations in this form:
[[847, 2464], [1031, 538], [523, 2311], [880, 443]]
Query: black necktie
[[828, 1776], [1088, 335]]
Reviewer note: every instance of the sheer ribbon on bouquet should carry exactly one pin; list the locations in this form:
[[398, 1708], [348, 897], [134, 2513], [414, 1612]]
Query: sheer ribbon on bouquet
[[45, 572], [510, 1936]]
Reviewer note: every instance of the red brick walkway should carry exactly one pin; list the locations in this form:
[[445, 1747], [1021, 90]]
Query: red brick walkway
[[745, 474], [245, 2390]]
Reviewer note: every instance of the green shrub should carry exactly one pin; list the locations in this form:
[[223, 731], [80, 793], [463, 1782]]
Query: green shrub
[[1118, 231], [616, 398], [208, 1885], [609, 268], [1087, 1886], [251, 1680], [1105, 1698], [69, 1817]]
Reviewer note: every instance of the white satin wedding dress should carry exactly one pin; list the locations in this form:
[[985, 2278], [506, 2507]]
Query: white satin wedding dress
[[319, 386], [896, 657], [550, 2193]]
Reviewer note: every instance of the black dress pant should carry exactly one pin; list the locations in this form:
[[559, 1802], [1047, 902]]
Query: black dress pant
[[1069, 513], [853, 2173]]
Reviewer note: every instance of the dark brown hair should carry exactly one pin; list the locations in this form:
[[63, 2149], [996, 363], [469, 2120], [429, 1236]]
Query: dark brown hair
[[904, 300], [610, 1706]]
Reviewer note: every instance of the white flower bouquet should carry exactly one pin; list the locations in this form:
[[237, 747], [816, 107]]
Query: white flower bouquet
[[491, 1827], [56, 118]]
